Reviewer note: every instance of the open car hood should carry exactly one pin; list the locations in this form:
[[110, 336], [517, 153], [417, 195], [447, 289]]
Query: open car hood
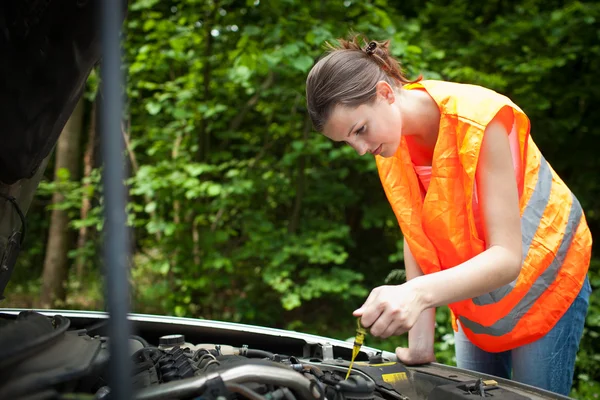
[[47, 50]]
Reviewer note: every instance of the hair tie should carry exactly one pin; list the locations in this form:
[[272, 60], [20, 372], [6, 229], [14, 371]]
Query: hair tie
[[371, 48]]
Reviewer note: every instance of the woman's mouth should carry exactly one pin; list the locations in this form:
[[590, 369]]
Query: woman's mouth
[[377, 150]]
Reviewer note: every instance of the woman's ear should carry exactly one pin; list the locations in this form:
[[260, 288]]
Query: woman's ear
[[385, 92]]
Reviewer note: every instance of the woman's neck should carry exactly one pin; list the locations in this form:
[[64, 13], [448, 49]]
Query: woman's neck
[[420, 124]]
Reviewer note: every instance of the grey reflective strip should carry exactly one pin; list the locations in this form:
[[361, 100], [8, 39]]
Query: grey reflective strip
[[530, 221], [507, 324]]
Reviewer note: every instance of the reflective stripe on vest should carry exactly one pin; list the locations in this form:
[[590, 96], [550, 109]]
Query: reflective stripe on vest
[[530, 220], [506, 324], [440, 229]]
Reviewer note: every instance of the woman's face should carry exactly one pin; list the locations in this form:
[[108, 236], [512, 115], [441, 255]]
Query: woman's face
[[369, 128]]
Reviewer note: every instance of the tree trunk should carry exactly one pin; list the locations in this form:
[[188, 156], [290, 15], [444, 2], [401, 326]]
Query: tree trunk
[[86, 202], [54, 275]]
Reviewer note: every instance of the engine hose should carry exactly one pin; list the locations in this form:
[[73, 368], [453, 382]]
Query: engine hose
[[288, 394], [265, 374], [244, 391], [254, 353], [316, 370], [140, 339]]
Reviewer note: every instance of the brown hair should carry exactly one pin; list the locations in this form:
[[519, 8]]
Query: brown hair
[[347, 75]]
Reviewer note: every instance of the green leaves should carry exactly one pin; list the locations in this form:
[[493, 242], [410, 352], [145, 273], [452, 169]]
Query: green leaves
[[302, 63], [153, 108], [318, 35], [143, 4]]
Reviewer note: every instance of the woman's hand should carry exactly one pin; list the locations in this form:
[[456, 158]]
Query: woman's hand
[[391, 310], [394, 310]]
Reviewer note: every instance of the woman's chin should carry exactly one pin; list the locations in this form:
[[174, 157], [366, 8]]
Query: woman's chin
[[386, 153]]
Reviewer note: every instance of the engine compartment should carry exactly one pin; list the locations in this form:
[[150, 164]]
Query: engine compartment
[[50, 357]]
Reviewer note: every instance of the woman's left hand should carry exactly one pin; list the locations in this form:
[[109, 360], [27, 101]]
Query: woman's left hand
[[391, 310]]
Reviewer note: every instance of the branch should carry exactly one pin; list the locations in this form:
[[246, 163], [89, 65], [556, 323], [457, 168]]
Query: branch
[[237, 121], [134, 164]]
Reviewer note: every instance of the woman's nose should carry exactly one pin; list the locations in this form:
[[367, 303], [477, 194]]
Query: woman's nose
[[360, 148]]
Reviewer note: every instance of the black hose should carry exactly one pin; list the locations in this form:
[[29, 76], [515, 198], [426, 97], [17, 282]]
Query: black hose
[[141, 340], [314, 369], [253, 353], [98, 328], [308, 368]]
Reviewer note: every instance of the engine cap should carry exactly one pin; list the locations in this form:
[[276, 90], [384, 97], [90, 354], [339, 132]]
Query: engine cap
[[171, 340]]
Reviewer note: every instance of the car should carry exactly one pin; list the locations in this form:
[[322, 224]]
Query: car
[[48, 49]]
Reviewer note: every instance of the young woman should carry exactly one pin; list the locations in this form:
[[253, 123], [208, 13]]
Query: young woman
[[489, 228]]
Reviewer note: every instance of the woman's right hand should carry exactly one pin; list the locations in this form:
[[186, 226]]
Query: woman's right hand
[[413, 356]]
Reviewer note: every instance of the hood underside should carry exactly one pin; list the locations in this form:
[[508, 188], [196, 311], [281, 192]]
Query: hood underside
[[48, 50]]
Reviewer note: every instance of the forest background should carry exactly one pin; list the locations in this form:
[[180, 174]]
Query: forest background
[[239, 211]]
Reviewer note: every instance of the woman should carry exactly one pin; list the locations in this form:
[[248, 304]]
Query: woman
[[489, 228]]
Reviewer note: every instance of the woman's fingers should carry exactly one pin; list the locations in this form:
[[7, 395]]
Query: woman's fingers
[[369, 311], [391, 322], [382, 323], [391, 329]]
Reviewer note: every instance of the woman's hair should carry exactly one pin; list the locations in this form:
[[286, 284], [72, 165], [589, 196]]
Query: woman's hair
[[347, 75]]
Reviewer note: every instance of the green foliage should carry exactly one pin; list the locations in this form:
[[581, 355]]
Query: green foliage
[[240, 212], [232, 179]]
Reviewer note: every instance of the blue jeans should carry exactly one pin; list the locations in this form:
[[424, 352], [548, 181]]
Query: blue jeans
[[547, 363]]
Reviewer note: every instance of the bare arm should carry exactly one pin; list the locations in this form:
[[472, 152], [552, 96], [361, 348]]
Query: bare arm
[[421, 336], [500, 263]]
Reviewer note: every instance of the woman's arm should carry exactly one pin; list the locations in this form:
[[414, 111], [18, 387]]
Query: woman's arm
[[396, 308], [421, 336], [498, 198]]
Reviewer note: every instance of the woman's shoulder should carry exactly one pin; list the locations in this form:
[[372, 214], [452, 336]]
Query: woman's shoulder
[[460, 89], [468, 100]]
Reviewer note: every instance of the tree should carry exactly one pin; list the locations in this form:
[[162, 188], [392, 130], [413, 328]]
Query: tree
[[60, 237]]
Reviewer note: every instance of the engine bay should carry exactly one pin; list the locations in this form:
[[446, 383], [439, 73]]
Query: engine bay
[[49, 357]]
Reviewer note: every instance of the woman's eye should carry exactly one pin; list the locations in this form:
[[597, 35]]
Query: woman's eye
[[360, 130]]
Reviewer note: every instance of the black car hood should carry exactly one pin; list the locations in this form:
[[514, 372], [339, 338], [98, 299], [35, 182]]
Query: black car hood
[[47, 50]]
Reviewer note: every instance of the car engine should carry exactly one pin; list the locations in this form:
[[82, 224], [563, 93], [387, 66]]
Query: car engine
[[44, 357]]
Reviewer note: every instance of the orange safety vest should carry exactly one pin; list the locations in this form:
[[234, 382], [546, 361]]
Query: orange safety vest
[[441, 232]]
